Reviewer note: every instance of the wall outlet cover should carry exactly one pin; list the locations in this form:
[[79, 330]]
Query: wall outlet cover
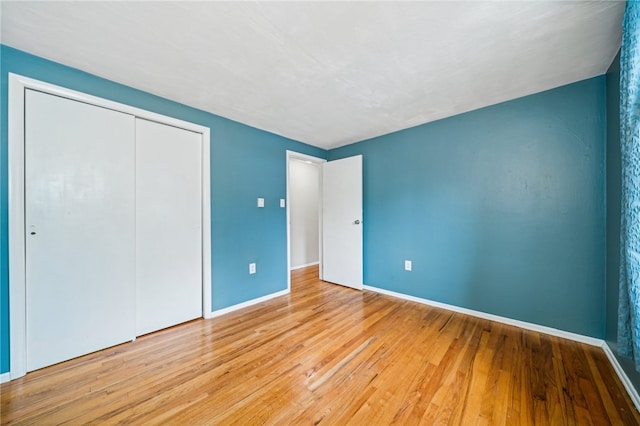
[[260, 202], [407, 265], [252, 268]]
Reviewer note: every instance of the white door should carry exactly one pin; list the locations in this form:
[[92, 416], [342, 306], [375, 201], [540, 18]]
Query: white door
[[79, 215], [168, 226], [342, 221]]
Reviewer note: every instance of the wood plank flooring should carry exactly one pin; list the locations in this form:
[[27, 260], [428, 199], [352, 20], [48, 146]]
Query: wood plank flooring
[[326, 354]]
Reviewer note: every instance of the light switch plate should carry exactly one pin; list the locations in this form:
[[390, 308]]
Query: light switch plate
[[252, 268], [282, 202], [260, 202], [407, 265]]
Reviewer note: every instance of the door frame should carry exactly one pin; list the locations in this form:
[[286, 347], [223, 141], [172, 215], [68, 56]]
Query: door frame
[[16, 186], [293, 155]]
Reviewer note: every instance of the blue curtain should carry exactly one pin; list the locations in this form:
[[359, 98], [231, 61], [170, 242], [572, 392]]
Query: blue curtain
[[629, 305]]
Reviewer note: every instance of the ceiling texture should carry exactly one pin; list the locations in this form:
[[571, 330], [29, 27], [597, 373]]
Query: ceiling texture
[[325, 73]]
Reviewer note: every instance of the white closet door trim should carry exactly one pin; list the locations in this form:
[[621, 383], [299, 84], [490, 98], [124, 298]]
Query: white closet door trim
[[17, 297], [41, 86]]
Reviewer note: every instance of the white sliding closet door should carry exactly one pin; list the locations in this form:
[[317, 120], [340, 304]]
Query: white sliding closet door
[[168, 226], [79, 216]]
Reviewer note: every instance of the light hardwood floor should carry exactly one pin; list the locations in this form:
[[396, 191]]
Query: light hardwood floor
[[329, 355]]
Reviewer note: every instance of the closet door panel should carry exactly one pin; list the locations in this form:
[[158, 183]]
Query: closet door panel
[[168, 226], [79, 213]]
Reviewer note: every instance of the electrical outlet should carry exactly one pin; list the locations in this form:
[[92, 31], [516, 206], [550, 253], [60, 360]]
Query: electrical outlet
[[407, 265], [260, 202], [252, 268], [281, 202]]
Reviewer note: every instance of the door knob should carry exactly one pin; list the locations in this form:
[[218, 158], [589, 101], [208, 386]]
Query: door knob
[[356, 222]]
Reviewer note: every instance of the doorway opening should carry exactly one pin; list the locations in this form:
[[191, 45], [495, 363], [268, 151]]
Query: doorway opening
[[304, 212]]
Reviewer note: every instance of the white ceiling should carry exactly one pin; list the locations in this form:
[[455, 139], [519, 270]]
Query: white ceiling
[[327, 74]]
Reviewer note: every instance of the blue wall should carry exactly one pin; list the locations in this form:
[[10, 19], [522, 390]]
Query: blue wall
[[246, 163], [501, 209]]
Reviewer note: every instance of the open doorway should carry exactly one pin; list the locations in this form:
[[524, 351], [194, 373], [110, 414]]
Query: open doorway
[[304, 221], [304, 202]]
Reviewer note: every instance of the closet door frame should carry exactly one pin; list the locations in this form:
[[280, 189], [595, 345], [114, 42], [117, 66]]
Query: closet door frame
[[17, 261]]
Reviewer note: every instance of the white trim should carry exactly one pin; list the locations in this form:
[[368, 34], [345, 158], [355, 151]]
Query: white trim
[[5, 377], [631, 390], [509, 321], [41, 86], [293, 268], [206, 222], [17, 289], [290, 155], [246, 304], [17, 299]]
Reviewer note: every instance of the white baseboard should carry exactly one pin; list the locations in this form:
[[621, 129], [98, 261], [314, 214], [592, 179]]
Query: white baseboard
[[293, 268], [522, 324], [5, 377], [631, 390], [246, 304]]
